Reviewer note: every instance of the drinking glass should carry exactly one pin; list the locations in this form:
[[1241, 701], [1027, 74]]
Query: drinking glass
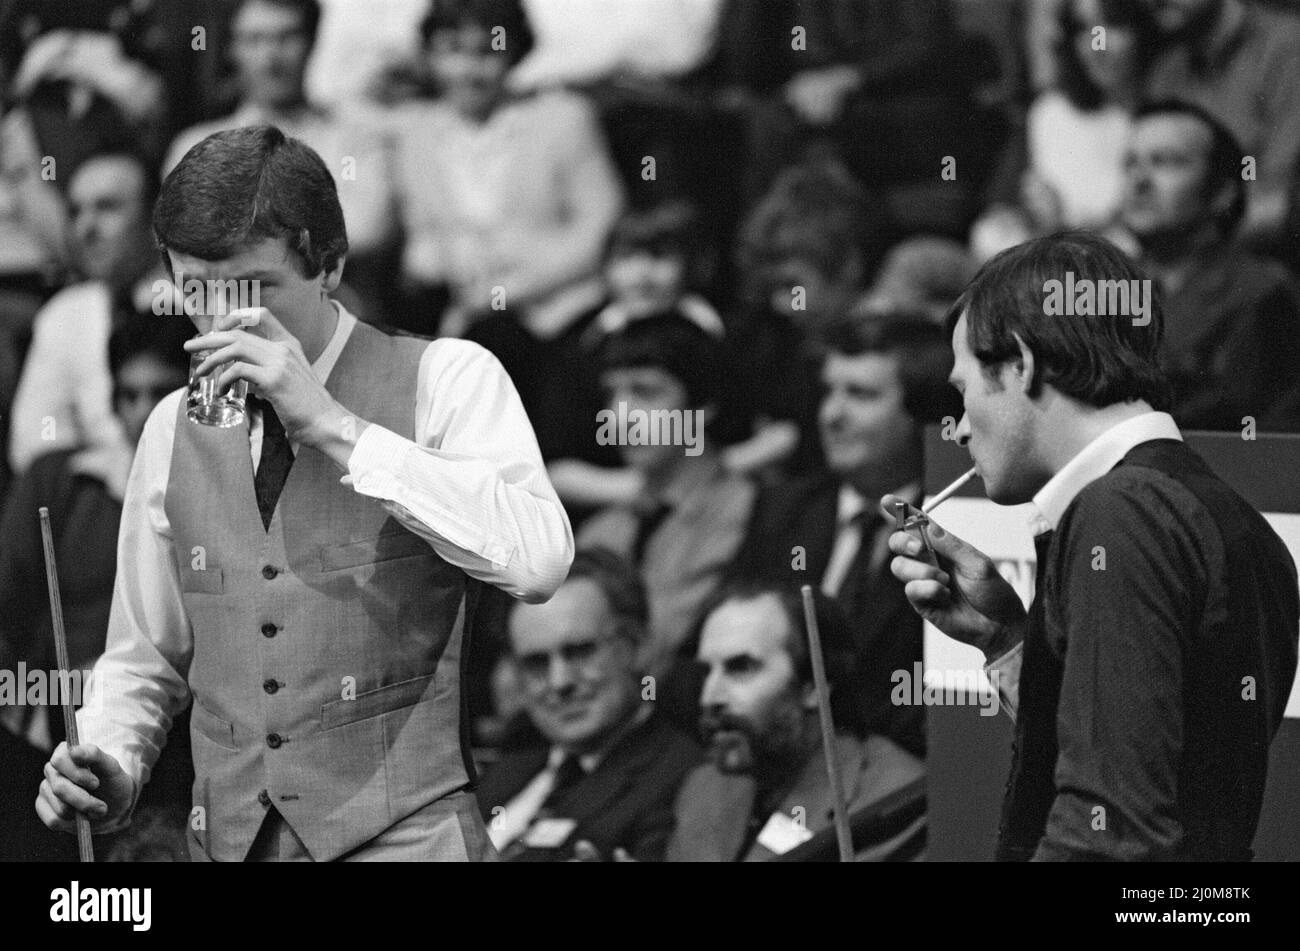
[[207, 405]]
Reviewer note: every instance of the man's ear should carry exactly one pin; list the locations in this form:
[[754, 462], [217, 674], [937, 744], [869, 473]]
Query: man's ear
[[333, 276], [1024, 366]]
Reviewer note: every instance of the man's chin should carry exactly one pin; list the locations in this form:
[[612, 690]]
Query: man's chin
[[731, 752]]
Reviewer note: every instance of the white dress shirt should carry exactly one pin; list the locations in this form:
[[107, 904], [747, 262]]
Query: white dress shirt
[[1050, 502], [472, 484]]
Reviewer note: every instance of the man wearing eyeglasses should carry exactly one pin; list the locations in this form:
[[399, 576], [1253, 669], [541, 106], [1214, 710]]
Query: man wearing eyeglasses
[[604, 767]]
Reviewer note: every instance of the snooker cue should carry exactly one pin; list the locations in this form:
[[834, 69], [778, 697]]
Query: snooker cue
[[84, 845], [842, 835]]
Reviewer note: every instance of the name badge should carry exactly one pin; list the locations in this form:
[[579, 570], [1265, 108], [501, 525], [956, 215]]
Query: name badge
[[781, 834], [549, 833]]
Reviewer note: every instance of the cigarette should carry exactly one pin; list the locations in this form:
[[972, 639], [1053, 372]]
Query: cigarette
[[943, 496]]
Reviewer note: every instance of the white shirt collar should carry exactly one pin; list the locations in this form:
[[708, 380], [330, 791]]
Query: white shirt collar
[[324, 364], [1092, 462]]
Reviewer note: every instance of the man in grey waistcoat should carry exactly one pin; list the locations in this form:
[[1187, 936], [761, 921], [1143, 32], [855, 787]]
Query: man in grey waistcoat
[[307, 577]]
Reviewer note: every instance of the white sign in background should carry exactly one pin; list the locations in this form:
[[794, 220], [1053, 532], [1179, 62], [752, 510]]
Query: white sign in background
[[1002, 532]]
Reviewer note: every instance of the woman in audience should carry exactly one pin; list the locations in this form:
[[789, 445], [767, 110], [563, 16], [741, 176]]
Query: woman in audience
[[1076, 130], [507, 200]]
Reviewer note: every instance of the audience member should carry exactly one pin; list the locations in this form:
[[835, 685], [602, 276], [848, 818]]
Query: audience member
[[1232, 319], [883, 379], [765, 790], [507, 200], [924, 273], [805, 253], [64, 394], [605, 766], [1067, 172], [662, 376], [1240, 62], [271, 43]]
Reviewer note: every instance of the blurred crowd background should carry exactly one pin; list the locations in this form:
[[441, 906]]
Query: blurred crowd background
[[758, 209]]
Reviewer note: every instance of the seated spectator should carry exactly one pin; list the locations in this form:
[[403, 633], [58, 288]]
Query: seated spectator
[[765, 789], [1241, 63], [271, 43], [507, 201], [883, 379], [64, 394], [662, 375], [83, 489], [1231, 341], [606, 766], [1069, 165], [652, 265], [924, 274], [805, 254]]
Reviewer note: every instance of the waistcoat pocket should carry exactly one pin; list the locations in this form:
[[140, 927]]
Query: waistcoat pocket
[[213, 727], [372, 703], [369, 551], [208, 581]]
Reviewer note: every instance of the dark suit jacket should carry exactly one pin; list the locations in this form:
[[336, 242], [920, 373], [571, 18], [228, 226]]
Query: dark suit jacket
[[714, 808], [626, 802], [886, 631]]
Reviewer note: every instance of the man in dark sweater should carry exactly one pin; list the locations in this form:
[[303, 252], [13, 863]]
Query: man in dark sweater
[[1153, 667]]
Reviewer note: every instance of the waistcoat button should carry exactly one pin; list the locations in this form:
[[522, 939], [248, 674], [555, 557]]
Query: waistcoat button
[[274, 741], [268, 630], [270, 685], [269, 571]]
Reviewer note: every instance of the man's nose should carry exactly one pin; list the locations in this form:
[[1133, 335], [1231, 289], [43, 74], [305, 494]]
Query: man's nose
[[713, 695], [963, 430], [559, 675]]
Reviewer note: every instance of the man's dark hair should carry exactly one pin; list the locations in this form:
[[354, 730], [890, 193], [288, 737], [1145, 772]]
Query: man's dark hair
[[146, 335], [1223, 162], [1096, 360], [1075, 83], [923, 354], [673, 343], [308, 10], [484, 14], [619, 582], [242, 185]]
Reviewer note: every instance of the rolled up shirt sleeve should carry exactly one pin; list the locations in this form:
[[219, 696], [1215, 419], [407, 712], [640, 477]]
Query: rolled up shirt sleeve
[[472, 483]]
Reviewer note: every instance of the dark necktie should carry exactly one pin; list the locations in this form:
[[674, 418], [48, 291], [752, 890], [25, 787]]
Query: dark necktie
[[274, 463], [858, 576], [567, 775], [650, 520]]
